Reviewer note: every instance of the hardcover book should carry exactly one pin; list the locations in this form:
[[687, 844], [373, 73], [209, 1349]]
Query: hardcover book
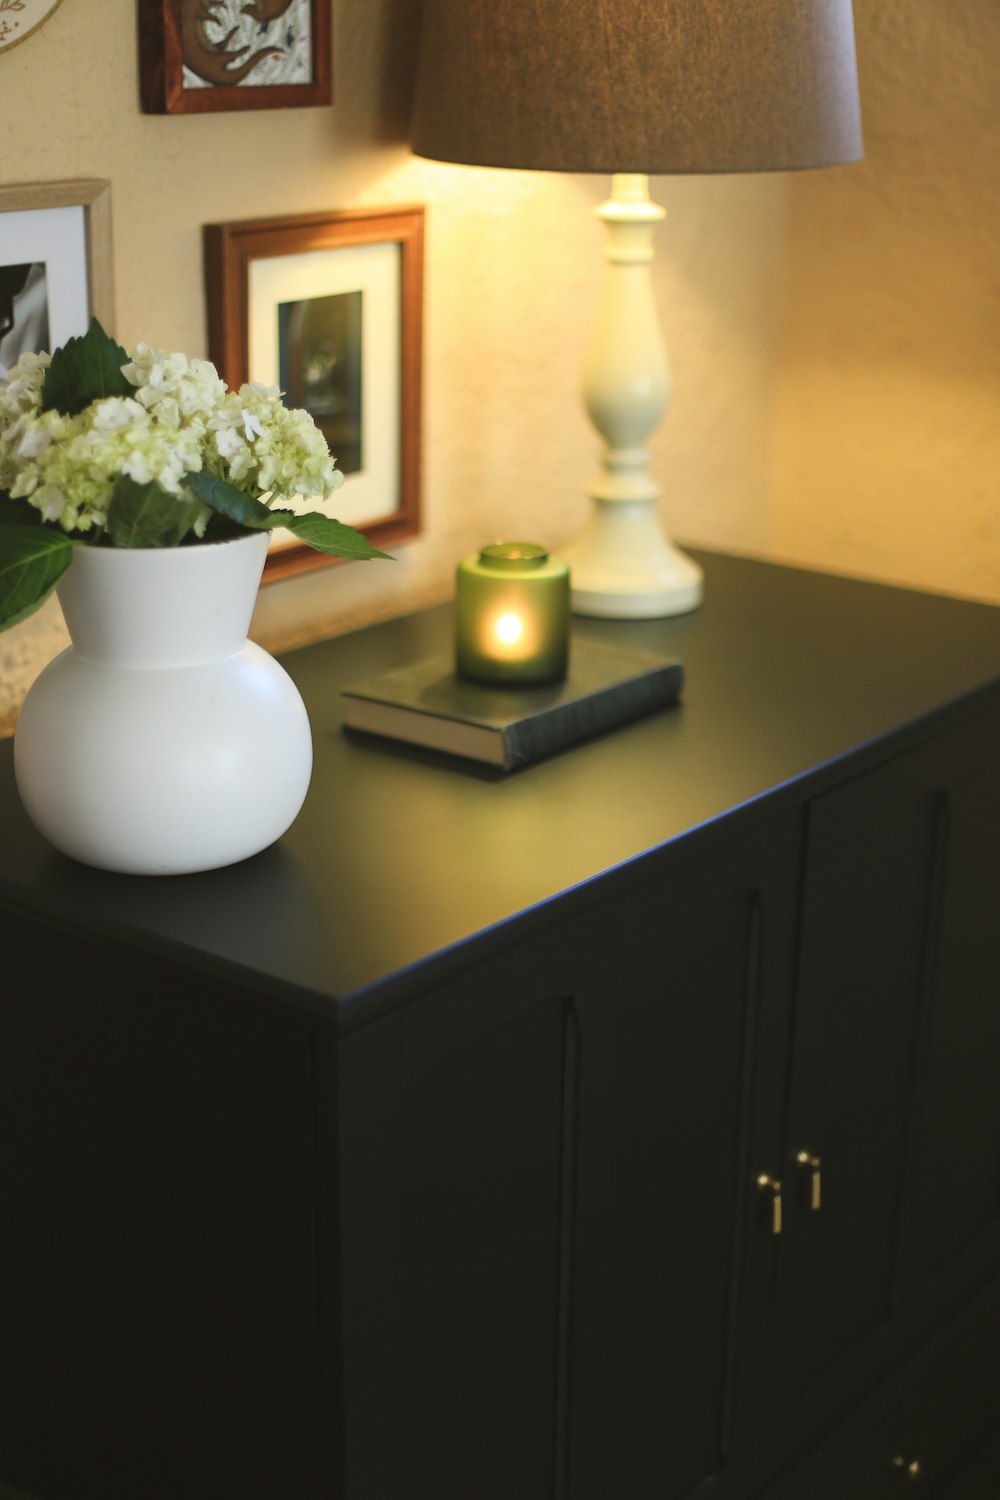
[[508, 726]]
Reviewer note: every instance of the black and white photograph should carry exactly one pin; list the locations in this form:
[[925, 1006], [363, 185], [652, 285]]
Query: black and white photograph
[[319, 368], [24, 313]]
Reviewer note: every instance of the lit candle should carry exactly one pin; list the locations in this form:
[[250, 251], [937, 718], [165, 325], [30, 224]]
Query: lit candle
[[512, 614]]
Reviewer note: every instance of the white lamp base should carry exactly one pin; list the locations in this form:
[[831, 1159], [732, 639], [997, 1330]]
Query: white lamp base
[[622, 565], [623, 568]]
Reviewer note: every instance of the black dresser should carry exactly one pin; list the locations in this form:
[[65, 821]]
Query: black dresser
[[625, 1127]]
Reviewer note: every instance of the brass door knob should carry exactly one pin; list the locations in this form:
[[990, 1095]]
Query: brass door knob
[[910, 1467], [770, 1187], [811, 1166]]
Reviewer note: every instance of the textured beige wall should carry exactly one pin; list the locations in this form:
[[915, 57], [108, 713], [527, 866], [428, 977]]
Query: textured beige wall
[[835, 336], [887, 436], [512, 275]]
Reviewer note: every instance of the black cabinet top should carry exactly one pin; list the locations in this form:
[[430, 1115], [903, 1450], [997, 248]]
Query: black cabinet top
[[399, 860]]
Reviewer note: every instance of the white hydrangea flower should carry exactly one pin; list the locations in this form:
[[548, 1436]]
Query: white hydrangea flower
[[180, 420], [34, 441], [51, 502], [116, 413]]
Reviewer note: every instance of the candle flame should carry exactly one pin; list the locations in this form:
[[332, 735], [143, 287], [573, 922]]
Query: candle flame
[[509, 628]]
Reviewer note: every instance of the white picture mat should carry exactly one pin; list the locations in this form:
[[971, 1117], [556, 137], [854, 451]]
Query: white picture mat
[[58, 237], [373, 493]]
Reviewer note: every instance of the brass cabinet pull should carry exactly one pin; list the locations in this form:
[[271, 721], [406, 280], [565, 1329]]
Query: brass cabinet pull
[[910, 1467], [812, 1165], [772, 1186]]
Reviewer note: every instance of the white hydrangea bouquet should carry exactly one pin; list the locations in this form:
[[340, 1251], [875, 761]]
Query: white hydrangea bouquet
[[104, 448]]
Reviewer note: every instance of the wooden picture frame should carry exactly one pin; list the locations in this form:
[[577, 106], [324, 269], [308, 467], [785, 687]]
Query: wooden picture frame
[[189, 48], [328, 306], [64, 228]]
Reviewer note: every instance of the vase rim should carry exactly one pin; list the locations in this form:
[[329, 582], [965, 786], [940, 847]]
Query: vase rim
[[229, 541]]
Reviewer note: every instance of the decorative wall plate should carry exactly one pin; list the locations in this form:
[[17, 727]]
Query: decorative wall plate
[[19, 18]]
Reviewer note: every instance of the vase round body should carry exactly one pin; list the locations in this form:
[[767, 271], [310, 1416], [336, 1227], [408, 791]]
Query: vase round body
[[162, 741]]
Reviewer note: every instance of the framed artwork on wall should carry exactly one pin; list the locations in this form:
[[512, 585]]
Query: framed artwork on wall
[[328, 307], [197, 56], [55, 265]]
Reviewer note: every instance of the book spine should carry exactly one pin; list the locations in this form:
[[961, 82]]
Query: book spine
[[568, 723]]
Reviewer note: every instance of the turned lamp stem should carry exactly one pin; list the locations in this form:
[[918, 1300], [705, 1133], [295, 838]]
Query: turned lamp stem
[[622, 564]]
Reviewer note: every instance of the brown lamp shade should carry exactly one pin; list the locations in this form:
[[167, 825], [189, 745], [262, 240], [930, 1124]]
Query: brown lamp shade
[[651, 86]]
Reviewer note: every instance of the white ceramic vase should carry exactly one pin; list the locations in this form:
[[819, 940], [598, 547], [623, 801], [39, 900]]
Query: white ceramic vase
[[162, 741]]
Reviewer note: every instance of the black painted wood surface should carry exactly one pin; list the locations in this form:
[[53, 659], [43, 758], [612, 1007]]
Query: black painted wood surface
[[397, 859], [416, 1156], [681, 1045], [892, 1079], [159, 1257]]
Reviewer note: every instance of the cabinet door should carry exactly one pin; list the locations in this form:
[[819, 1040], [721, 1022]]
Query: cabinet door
[[679, 1109], [450, 1126], [892, 1085], [953, 1203]]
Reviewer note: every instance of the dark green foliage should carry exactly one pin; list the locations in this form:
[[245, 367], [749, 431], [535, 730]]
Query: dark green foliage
[[84, 370], [32, 561]]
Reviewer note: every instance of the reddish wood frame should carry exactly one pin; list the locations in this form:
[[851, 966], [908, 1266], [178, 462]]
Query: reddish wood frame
[[161, 71], [229, 251]]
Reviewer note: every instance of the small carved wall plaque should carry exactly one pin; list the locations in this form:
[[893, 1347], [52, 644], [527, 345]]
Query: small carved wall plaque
[[19, 18], [202, 55]]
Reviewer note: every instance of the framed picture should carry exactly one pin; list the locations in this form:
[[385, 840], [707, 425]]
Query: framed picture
[[328, 308], [202, 55], [55, 265]]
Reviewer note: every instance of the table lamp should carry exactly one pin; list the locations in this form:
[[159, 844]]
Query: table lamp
[[633, 87]]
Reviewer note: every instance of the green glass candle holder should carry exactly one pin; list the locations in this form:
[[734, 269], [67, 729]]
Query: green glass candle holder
[[512, 614]]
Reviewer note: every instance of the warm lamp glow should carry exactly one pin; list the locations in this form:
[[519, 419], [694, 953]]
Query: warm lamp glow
[[512, 614], [634, 87]]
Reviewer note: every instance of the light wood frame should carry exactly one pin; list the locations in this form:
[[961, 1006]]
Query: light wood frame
[[230, 251], [161, 67], [93, 195]]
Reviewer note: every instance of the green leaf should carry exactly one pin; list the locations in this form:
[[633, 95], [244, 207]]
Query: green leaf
[[226, 500], [314, 529], [219, 529], [331, 537], [85, 370], [18, 512], [144, 515], [32, 561]]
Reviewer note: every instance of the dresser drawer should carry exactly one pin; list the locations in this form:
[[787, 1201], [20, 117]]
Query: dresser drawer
[[916, 1431]]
